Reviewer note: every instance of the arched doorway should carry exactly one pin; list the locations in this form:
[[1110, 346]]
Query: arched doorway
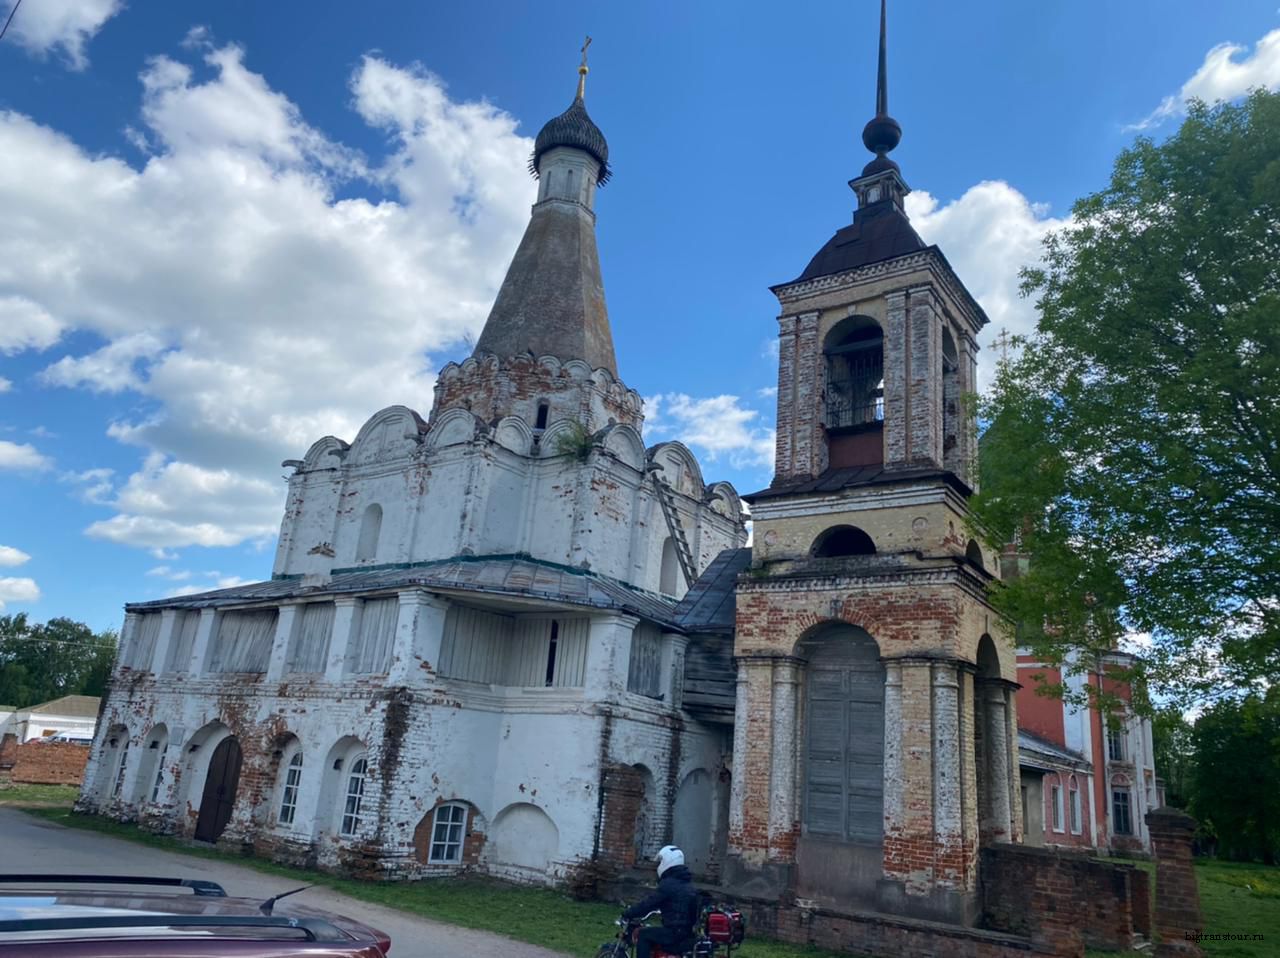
[[219, 795], [840, 853]]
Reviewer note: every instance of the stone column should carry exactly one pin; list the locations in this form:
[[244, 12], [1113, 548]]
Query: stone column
[[808, 459], [894, 810], [1177, 896], [917, 771], [783, 821], [995, 733], [128, 637], [897, 402], [785, 435], [199, 663], [1011, 749], [608, 657], [345, 622], [924, 379], [286, 623], [948, 788], [419, 634], [752, 760], [968, 774]]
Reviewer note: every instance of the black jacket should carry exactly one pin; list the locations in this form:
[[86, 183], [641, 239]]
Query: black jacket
[[675, 897]]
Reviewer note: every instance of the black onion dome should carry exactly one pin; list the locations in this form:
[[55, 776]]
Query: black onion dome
[[572, 128]]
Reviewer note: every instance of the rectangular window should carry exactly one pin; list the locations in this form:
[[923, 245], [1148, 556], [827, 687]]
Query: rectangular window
[[354, 801], [309, 644], [118, 787], [644, 677], [1115, 740], [289, 795], [446, 836], [155, 788], [184, 640], [1075, 811], [243, 642], [1120, 819], [376, 637], [1055, 794]]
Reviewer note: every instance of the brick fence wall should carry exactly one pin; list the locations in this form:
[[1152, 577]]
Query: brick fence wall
[[44, 763], [1064, 899]]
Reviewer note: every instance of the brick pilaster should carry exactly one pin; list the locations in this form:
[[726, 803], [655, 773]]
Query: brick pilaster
[[1177, 896]]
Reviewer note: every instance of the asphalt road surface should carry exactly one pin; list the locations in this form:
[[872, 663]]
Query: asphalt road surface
[[33, 844]]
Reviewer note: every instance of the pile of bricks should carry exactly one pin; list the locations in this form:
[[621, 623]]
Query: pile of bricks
[[43, 763]]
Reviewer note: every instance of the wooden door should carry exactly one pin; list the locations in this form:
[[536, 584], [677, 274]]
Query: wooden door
[[219, 790]]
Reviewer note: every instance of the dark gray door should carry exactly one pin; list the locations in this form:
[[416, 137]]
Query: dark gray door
[[844, 738], [219, 790]]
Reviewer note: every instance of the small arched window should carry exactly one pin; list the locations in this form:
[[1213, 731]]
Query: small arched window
[[289, 788], [544, 409], [854, 353], [670, 568], [353, 799], [973, 553], [843, 541], [370, 529]]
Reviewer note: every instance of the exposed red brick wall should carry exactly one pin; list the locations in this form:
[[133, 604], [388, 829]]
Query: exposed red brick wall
[[1064, 900], [49, 763], [623, 794]]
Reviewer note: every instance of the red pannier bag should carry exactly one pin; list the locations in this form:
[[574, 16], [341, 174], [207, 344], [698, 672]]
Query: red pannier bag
[[725, 926]]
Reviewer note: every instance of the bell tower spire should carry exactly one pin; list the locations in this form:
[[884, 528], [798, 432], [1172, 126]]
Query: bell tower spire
[[881, 134]]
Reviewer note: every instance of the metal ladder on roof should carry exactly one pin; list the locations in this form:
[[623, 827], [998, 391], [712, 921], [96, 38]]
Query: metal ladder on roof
[[667, 497]]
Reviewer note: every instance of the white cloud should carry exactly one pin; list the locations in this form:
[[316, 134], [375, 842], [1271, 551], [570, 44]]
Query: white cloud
[[1223, 77], [171, 503], [221, 582], [18, 590], [988, 234], [24, 324], [43, 26], [22, 457], [111, 369], [95, 486], [226, 285], [9, 556], [716, 426], [5, 384], [174, 575]]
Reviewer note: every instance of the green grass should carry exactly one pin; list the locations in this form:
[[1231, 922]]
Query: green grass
[[539, 916], [50, 795]]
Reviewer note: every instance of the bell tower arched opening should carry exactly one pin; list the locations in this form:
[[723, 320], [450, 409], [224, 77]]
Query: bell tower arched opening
[[853, 359]]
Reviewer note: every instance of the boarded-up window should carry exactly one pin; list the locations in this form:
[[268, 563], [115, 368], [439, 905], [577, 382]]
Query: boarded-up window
[[473, 645], [551, 653], [142, 648], [243, 642], [371, 653], [844, 738], [644, 676], [184, 640], [309, 648], [501, 650]]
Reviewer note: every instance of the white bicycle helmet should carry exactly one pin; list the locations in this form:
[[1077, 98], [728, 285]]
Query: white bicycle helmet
[[669, 857]]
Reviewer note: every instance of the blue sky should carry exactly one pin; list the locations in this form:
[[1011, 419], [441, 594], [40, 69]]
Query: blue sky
[[234, 227]]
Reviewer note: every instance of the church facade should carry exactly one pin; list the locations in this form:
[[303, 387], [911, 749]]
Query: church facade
[[512, 638], [468, 653]]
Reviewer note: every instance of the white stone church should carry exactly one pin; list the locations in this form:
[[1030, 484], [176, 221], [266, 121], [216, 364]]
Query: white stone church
[[470, 634]]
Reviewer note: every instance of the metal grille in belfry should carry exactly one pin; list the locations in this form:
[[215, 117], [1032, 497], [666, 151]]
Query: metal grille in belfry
[[855, 389]]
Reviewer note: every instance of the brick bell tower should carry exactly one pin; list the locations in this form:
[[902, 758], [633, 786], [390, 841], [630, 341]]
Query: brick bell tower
[[875, 734]]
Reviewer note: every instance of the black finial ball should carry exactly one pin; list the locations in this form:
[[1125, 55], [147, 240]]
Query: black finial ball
[[881, 135]]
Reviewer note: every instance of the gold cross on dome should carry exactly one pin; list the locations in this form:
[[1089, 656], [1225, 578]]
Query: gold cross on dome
[[583, 65]]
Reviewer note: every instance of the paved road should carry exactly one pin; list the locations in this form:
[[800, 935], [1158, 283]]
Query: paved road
[[29, 843]]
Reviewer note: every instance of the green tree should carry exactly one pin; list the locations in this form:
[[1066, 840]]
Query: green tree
[[39, 662], [1235, 785], [1173, 739], [1133, 446]]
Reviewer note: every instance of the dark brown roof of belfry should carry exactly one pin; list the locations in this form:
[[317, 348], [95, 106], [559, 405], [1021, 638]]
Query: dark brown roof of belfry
[[845, 477], [879, 231]]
